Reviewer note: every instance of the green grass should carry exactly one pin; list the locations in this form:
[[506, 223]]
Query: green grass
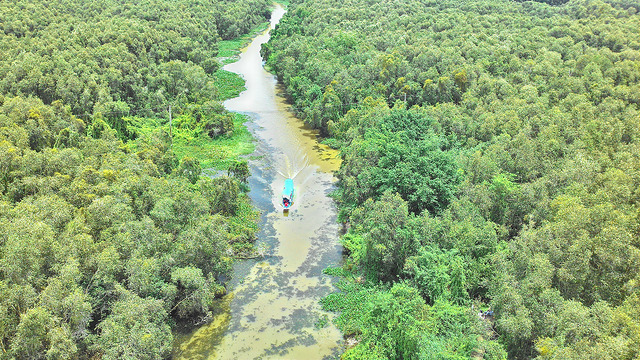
[[216, 153], [229, 84], [231, 48]]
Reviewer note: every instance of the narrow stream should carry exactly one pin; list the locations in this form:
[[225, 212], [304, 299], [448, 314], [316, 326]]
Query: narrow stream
[[272, 310]]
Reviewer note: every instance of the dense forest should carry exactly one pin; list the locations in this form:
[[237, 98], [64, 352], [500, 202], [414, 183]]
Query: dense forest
[[107, 238], [490, 171], [118, 57]]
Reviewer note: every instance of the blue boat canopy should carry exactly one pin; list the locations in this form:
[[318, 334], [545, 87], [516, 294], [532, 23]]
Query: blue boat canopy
[[288, 188], [287, 194]]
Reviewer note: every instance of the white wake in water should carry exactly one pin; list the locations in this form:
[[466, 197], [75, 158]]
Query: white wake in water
[[291, 166]]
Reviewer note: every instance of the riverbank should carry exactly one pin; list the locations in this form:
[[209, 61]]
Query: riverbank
[[273, 307], [218, 154], [95, 214], [214, 155]]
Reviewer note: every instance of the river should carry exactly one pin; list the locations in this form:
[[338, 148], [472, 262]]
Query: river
[[272, 310]]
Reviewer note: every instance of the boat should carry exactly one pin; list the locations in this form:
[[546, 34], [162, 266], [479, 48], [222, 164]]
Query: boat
[[287, 194]]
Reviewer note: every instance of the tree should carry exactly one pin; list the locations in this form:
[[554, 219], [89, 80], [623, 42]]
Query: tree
[[240, 171], [135, 329], [222, 193], [520, 153], [40, 336], [387, 241], [439, 275], [196, 293], [401, 154], [99, 246], [190, 168], [65, 299]]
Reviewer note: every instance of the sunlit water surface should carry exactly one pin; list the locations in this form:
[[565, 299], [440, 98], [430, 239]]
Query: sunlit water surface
[[272, 311]]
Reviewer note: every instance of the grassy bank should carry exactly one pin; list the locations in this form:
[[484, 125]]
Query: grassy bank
[[191, 140], [229, 49]]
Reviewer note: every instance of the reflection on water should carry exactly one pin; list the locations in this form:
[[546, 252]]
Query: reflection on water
[[207, 338], [272, 310]]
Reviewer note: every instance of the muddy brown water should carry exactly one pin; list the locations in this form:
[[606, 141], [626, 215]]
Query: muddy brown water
[[272, 310]]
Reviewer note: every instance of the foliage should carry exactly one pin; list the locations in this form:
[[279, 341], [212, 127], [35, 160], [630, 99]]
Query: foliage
[[383, 226], [116, 58], [189, 140], [189, 168], [240, 171], [505, 136], [439, 275], [398, 153], [135, 329], [105, 244], [396, 323], [101, 242], [119, 66]]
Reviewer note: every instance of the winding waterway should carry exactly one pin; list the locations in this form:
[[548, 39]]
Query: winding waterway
[[272, 311]]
